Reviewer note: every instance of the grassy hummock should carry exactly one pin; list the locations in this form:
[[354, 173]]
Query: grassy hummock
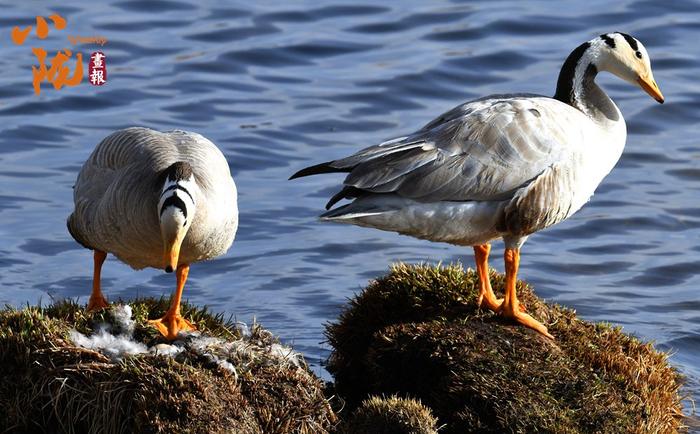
[[226, 379], [392, 415], [417, 333], [411, 354]]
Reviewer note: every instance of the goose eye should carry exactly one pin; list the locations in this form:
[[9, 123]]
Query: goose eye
[[638, 54]]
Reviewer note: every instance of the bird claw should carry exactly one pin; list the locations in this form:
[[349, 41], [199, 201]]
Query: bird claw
[[493, 304], [97, 302], [525, 319], [489, 302], [170, 325], [518, 313]]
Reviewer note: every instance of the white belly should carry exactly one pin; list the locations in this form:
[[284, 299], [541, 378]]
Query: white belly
[[460, 223]]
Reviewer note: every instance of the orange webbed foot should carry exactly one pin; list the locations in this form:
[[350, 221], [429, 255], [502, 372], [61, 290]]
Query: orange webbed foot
[[170, 325], [489, 302], [518, 315], [511, 307], [486, 299], [97, 302]]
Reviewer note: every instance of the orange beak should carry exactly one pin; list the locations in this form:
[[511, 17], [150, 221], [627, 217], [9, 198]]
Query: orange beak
[[650, 87], [172, 253]]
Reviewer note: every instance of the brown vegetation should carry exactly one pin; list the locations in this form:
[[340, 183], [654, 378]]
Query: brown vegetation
[[48, 384], [412, 354], [417, 333]]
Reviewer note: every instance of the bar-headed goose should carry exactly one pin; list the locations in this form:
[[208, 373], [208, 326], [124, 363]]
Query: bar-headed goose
[[153, 199], [502, 166]]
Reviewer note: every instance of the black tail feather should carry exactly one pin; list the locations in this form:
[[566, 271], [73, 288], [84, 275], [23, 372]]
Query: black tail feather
[[348, 192], [318, 169]]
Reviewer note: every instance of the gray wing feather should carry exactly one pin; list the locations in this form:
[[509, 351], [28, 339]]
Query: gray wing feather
[[482, 150], [387, 172], [400, 144]]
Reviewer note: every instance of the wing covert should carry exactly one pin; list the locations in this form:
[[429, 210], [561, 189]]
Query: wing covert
[[482, 150]]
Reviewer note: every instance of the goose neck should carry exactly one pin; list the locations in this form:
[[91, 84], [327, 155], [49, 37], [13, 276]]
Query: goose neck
[[576, 84]]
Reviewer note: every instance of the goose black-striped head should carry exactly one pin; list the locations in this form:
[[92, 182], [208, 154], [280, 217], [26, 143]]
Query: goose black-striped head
[[617, 53], [176, 209]]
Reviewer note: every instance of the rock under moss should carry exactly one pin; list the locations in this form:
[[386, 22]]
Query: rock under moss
[[418, 333], [227, 379]]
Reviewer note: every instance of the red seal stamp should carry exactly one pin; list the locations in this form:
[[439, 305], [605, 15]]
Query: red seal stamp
[[97, 69]]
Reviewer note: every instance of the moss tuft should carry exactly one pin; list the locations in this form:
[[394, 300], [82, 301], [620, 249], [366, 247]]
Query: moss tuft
[[418, 333], [47, 384], [391, 415]]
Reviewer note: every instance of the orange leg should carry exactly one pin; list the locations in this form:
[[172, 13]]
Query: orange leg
[[486, 296], [511, 306], [172, 322], [97, 300]]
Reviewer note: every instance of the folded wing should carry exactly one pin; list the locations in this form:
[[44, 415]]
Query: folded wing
[[482, 150]]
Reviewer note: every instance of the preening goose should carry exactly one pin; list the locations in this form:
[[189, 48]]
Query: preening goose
[[152, 199], [502, 166]]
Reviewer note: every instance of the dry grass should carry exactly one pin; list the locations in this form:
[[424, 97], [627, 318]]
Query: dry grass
[[392, 415], [417, 333], [414, 335], [49, 385]]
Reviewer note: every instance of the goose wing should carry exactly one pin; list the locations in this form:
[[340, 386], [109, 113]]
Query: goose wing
[[481, 150]]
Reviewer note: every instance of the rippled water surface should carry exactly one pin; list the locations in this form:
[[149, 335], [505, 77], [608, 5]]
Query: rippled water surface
[[279, 86]]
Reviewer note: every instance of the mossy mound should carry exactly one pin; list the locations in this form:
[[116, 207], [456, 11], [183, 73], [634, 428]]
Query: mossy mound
[[228, 379], [417, 333], [391, 415]]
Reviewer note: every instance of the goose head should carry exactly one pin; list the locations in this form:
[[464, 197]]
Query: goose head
[[176, 210], [626, 57]]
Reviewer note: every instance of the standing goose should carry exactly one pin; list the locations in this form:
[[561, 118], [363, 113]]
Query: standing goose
[[152, 199], [502, 166]]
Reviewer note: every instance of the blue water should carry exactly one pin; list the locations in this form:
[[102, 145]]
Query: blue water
[[279, 87]]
